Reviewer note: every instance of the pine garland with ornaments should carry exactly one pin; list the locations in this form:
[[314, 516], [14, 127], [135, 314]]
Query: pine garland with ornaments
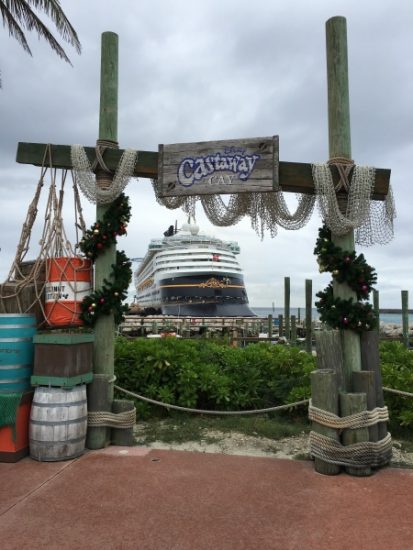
[[104, 232], [345, 267], [96, 240]]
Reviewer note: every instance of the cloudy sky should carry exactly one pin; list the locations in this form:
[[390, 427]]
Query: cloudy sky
[[198, 70]]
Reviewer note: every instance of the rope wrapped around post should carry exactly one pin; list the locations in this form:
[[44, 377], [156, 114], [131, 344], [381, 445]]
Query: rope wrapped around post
[[125, 419], [356, 455]]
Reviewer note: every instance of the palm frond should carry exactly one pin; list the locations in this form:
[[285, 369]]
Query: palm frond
[[28, 18], [14, 28], [53, 10]]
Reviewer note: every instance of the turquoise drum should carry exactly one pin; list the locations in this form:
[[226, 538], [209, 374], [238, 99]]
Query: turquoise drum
[[16, 351]]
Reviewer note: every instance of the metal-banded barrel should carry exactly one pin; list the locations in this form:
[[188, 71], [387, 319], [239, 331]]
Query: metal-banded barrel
[[16, 351], [58, 423]]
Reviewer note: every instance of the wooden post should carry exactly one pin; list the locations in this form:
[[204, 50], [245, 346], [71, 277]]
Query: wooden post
[[340, 147], [363, 382], [270, 326], [351, 403], [104, 346], [122, 436], [293, 330], [330, 355], [287, 306], [370, 359], [405, 317], [308, 315], [325, 396], [376, 305], [280, 326]]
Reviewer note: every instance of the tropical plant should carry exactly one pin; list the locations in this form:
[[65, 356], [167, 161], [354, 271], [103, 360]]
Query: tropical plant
[[20, 15]]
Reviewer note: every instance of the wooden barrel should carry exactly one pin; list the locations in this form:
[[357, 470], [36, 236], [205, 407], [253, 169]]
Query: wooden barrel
[[16, 351], [58, 423]]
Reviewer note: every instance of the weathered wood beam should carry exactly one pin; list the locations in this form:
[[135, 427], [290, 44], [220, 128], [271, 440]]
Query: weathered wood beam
[[295, 177], [33, 153]]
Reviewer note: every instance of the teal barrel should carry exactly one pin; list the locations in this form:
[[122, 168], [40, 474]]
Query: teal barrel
[[16, 351]]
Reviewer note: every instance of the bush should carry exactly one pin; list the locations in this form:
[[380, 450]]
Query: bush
[[397, 373], [209, 375]]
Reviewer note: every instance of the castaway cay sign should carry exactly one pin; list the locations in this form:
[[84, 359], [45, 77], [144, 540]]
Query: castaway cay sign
[[230, 166]]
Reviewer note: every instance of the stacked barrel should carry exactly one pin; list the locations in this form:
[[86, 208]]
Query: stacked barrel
[[16, 365], [63, 365]]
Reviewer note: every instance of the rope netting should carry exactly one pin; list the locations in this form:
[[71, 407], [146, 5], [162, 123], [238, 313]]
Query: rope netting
[[371, 219], [56, 278]]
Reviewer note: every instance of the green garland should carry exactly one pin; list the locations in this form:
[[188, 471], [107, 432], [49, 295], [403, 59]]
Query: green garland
[[345, 267], [96, 240]]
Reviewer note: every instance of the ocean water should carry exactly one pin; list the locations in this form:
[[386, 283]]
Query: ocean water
[[387, 318]]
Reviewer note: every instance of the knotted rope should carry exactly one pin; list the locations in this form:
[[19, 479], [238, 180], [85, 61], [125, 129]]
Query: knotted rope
[[344, 167]]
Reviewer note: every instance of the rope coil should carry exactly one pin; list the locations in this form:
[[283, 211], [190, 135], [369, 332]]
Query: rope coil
[[124, 419], [361, 419], [356, 455]]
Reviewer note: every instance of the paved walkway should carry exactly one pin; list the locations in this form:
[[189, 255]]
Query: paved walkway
[[139, 498]]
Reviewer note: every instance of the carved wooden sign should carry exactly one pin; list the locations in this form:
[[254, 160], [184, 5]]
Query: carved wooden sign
[[209, 167]]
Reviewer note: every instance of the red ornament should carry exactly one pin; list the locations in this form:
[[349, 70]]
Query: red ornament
[[102, 301], [347, 259], [99, 245], [345, 321], [365, 288]]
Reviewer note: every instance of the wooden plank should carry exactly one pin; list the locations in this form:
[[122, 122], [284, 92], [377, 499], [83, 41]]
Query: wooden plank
[[294, 177], [225, 166]]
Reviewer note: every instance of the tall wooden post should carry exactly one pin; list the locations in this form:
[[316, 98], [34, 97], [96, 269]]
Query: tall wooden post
[[308, 315], [287, 306], [340, 147], [101, 395], [405, 317], [376, 305]]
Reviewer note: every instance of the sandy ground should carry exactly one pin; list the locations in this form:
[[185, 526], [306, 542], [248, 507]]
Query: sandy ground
[[235, 443]]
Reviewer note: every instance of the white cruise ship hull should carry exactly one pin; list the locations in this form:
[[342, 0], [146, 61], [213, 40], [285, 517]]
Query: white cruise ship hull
[[192, 275]]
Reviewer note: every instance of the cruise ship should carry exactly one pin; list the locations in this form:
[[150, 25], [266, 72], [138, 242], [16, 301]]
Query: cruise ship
[[187, 273]]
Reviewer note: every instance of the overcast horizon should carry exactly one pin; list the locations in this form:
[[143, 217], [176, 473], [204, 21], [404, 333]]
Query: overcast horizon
[[199, 71]]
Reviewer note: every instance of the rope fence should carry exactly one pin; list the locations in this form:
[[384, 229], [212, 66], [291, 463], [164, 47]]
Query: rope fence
[[205, 411], [398, 392]]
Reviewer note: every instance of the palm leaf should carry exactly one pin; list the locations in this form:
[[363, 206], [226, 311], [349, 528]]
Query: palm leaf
[[18, 13], [14, 29], [53, 10]]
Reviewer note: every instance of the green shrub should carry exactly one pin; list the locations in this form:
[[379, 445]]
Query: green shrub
[[397, 373], [209, 375]]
